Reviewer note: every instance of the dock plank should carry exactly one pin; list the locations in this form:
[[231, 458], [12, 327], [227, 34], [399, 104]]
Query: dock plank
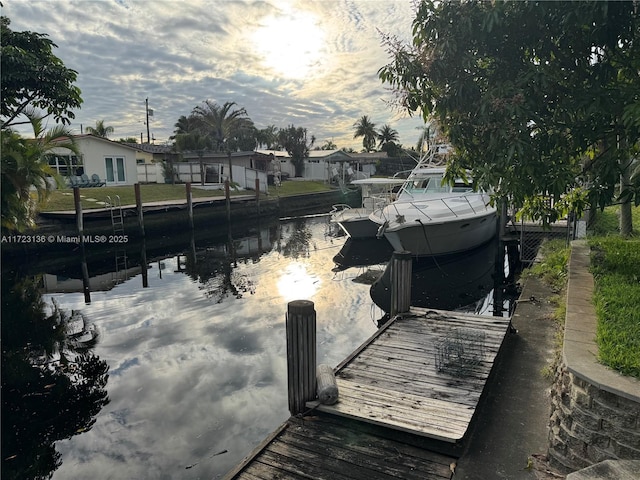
[[434, 418], [394, 379], [322, 447], [393, 401]]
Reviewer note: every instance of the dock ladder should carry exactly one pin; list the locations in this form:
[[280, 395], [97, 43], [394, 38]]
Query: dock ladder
[[117, 224]]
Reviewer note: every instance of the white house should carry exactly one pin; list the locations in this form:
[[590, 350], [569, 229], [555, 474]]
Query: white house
[[113, 162], [320, 165]]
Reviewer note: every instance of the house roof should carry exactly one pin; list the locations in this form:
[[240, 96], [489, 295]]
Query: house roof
[[368, 155], [149, 147], [316, 154], [223, 155], [88, 136]]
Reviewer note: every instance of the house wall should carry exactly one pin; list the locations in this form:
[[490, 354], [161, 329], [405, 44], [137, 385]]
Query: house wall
[[93, 152]]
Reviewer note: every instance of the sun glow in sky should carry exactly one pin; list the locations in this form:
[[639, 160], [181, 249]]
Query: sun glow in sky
[[296, 283], [292, 44], [309, 63]]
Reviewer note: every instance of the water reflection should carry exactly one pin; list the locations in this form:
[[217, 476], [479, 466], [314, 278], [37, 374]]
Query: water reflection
[[445, 282], [197, 349], [53, 386], [198, 359]]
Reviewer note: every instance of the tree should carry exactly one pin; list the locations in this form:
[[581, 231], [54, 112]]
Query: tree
[[100, 130], [328, 145], [366, 129], [386, 135], [224, 126], [387, 140], [294, 140], [185, 125], [268, 137], [25, 165], [537, 98], [33, 77]]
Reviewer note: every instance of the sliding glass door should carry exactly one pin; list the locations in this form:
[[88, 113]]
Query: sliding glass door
[[115, 169]]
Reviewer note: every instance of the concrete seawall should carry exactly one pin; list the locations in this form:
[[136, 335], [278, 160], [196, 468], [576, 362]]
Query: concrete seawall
[[595, 412]]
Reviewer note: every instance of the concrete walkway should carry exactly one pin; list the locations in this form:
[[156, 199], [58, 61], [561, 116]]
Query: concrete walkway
[[510, 439]]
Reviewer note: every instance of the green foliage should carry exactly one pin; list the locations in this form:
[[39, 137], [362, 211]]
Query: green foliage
[[101, 130], [366, 129], [33, 77], [607, 221], [553, 267], [295, 142], [537, 98], [62, 200], [294, 187], [615, 263], [23, 166], [227, 129]]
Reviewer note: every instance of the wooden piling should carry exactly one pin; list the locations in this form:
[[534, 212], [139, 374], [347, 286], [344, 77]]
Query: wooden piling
[[143, 264], [78, 206], [227, 196], [86, 288], [258, 195], [401, 266], [301, 354], [136, 187], [189, 204]]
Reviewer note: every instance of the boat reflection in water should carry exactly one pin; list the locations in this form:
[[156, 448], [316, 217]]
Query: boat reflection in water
[[446, 282]]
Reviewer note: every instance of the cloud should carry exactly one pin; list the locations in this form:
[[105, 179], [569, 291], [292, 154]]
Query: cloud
[[177, 54]]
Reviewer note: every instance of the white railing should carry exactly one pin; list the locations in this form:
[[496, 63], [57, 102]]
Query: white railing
[[456, 206]]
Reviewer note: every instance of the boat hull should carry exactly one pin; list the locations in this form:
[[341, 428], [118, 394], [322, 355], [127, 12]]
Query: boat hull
[[360, 228], [423, 238], [355, 222]]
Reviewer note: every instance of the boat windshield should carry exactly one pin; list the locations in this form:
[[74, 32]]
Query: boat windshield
[[429, 184]]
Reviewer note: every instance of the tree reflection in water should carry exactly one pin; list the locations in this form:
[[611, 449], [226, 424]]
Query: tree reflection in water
[[216, 271], [50, 390]]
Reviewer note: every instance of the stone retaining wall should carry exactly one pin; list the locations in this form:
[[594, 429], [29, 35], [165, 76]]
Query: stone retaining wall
[[595, 412]]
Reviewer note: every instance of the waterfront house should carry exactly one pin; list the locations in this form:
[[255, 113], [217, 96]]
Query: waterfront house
[[113, 162]]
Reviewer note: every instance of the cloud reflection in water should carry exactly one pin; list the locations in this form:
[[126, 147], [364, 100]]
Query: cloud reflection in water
[[192, 377]]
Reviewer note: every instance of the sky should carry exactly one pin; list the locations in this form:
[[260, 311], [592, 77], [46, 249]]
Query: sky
[[311, 64]]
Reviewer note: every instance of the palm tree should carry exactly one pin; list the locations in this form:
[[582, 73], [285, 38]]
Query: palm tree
[[268, 137], [387, 135], [100, 130], [221, 123], [366, 129], [25, 165], [227, 128], [185, 125]]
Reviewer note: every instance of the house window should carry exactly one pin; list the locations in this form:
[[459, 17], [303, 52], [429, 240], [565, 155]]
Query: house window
[[66, 165], [115, 169]]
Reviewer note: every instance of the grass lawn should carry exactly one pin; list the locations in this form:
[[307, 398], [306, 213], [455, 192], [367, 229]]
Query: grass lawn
[[615, 263], [61, 200]]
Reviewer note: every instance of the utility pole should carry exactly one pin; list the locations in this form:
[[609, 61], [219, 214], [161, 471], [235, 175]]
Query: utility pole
[[146, 103]]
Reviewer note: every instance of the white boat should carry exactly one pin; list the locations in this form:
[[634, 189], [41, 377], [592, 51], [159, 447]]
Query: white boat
[[432, 218], [376, 193], [79, 333]]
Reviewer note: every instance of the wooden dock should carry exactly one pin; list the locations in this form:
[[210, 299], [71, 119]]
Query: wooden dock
[[393, 378], [407, 393]]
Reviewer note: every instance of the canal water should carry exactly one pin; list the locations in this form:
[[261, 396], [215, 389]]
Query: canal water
[[195, 342]]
